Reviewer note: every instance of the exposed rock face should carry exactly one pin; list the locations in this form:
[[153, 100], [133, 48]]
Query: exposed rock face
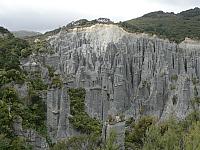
[[57, 113], [123, 73], [121, 70]]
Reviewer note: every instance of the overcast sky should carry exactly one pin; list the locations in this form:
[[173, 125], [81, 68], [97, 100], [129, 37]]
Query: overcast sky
[[43, 15]]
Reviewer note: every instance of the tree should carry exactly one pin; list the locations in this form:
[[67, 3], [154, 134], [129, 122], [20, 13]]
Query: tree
[[152, 139], [137, 132], [19, 143]]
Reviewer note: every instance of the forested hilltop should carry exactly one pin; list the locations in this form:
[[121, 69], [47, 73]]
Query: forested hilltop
[[167, 25]]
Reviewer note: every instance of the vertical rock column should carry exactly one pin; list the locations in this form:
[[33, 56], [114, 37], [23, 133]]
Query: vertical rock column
[[118, 129], [63, 123], [57, 113]]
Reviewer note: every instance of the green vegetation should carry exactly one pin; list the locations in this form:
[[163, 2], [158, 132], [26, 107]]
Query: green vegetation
[[146, 134], [110, 143], [11, 75], [31, 109], [88, 142], [18, 143], [136, 132], [51, 71], [26, 52], [41, 46], [81, 142], [56, 82], [38, 84], [80, 119], [10, 52], [4, 31], [12, 106], [174, 77], [25, 34], [172, 87], [78, 23], [175, 27], [195, 80]]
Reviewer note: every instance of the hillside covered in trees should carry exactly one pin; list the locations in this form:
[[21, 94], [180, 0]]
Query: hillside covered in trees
[[173, 26], [31, 109]]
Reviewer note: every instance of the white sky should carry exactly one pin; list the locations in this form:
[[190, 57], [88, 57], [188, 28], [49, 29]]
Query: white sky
[[43, 15]]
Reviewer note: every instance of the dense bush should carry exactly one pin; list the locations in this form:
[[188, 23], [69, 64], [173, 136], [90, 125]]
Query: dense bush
[[146, 134], [32, 113], [38, 84], [137, 131], [175, 27], [11, 75], [17, 143], [88, 142], [81, 142], [56, 82]]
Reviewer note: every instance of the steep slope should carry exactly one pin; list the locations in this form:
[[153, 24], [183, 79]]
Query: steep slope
[[172, 26]]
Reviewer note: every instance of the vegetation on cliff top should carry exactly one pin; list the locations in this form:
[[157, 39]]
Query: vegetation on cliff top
[[175, 27], [4, 31]]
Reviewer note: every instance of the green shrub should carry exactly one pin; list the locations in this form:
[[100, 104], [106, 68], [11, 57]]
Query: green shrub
[[56, 82], [26, 52], [51, 71], [172, 87], [38, 84], [195, 80], [174, 77], [192, 137], [111, 143]]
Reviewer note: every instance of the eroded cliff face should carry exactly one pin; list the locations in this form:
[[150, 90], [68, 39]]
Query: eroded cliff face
[[123, 74]]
